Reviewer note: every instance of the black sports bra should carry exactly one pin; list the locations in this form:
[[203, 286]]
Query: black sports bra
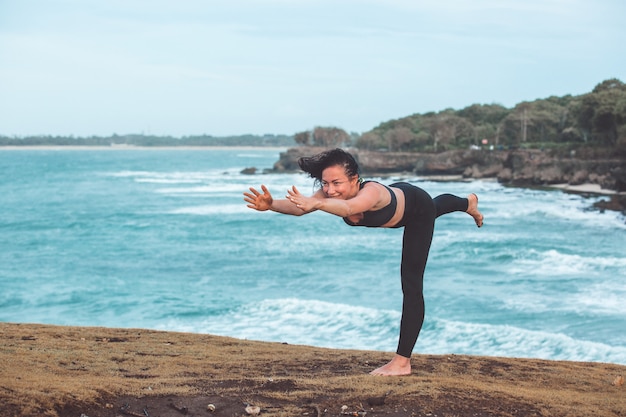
[[378, 217]]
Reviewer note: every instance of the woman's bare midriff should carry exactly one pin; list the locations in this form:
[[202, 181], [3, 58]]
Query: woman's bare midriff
[[399, 208]]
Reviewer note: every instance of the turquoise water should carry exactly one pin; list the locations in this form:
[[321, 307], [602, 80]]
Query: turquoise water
[[162, 239]]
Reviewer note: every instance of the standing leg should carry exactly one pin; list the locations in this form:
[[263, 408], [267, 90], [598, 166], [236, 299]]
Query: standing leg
[[419, 222], [416, 241]]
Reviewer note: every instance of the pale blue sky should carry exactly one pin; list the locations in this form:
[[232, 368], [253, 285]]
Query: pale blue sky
[[187, 67]]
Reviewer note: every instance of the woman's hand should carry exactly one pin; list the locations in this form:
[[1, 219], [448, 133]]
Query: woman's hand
[[306, 204], [258, 201]]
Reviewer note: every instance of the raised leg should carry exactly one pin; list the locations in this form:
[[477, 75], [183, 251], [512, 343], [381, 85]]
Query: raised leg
[[449, 203]]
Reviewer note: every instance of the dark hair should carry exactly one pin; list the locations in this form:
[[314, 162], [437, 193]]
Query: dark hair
[[316, 164]]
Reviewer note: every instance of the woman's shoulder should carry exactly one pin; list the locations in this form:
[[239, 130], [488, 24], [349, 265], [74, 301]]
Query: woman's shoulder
[[369, 182], [374, 187], [372, 183]]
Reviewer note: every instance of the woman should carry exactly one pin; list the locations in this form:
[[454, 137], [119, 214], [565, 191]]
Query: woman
[[371, 204]]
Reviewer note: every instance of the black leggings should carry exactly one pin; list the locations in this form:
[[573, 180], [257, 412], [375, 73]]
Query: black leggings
[[420, 212]]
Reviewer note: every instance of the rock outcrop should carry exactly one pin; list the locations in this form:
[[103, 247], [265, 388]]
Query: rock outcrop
[[521, 168], [516, 167]]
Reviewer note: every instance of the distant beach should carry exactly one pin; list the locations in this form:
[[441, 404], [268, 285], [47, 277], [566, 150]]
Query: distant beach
[[132, 147], [586, 188]]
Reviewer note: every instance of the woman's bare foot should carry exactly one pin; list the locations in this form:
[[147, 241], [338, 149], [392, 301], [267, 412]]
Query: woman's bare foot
[[399, 365], [472, 209]]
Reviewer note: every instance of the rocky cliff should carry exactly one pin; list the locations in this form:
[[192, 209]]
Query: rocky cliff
[[521, 168]]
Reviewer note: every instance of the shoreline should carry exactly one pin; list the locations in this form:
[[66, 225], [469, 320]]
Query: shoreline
[[585, 188], [56, 371], [135, 148]]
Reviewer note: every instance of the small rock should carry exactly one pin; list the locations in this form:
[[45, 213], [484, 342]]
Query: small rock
[[253, 410], [377, 400], [248, 171]]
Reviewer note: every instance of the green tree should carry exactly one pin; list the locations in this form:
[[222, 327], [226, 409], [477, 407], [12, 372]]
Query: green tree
[[484, 114], [400, 139], [303, 138], [602, 113], [370, 141], [330, 137]]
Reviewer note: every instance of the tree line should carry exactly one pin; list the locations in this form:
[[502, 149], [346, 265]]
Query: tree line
[[149, 140], [596, 120]]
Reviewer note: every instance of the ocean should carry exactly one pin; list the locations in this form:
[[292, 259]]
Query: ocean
[[162, 239]]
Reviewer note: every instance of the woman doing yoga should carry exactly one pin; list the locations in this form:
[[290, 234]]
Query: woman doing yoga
[[371, 204]]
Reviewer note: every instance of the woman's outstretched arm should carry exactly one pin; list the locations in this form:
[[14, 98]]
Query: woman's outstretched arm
[[263, 201], [365, 200]]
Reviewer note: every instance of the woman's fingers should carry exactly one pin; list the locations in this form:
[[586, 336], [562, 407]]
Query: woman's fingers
[[252, 194], [255, 192], [257, 200], [293, 192]]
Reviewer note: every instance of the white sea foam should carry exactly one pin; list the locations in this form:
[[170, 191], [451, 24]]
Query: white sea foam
[[555, 263], [537, 206], [594, 300], [309, 322], [607, 298], [208, 189], [210, 210], [168, 180], [320, 323], [125, 174], [179, 175], [203, 189], [572, 283], [503, 340], [176, 177]]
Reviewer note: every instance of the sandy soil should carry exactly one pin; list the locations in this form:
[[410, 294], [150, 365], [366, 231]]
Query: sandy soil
[[100, 372]]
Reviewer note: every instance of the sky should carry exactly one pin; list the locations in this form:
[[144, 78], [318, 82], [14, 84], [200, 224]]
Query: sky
[[221, 68]]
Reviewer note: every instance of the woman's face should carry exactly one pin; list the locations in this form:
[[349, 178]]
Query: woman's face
[[336, 184]]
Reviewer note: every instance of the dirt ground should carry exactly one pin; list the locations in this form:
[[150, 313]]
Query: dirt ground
[[101, 372]]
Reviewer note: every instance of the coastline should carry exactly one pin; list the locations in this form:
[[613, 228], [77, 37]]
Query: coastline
[[49, 370], [585, 188], [136, 148]]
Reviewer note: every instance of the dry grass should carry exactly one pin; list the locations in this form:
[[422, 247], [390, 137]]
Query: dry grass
[[69, 371]]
